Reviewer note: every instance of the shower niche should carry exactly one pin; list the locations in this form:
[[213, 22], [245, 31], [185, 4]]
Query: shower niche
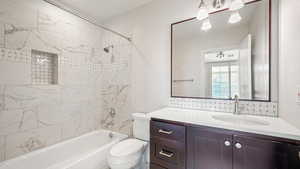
[[44, 68]]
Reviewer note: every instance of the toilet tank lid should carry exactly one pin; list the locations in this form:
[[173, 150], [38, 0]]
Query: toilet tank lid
[[127, 147], [140, 115]]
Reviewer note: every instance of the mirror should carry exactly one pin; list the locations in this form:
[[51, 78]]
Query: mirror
[[227, 59]]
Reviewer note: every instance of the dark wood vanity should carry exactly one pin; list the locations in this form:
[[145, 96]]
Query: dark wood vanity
[[175, 145]]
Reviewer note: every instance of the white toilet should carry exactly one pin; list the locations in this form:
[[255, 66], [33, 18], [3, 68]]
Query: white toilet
[[130, 153]]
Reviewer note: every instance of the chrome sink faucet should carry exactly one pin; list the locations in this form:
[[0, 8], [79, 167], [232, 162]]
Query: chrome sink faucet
[[236, 105]]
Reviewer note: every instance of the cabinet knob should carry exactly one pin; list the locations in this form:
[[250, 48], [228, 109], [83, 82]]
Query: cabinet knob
[[227, 143], [238, 145]]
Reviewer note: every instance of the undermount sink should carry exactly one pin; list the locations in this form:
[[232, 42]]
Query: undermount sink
[[240, 119]]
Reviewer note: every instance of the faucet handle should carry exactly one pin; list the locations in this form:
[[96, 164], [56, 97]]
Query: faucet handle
[[236, 97]]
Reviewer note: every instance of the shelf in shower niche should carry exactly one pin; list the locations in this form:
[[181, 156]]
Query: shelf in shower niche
[[44, 68]]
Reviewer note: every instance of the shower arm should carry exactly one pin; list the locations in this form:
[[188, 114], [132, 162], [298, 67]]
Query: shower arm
[[76, 13]]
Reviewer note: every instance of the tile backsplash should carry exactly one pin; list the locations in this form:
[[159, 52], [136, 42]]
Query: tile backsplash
[[246, 107]]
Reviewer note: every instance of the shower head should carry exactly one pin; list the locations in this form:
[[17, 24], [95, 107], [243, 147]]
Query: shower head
[[107, 49]]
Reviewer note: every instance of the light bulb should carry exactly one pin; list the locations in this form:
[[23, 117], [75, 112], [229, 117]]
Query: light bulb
[[206, 25], [236, 5], [235, 17], [203, 12]]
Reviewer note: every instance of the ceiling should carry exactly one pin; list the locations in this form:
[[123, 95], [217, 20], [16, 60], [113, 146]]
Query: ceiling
[[102, 10]]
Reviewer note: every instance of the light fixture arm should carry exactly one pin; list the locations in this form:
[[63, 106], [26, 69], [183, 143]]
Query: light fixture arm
[[217, 4], [201, 3]]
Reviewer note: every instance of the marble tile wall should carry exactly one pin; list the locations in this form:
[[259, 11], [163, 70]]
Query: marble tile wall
[[93, 86], [116, 85], [2, 148], [245, 107]]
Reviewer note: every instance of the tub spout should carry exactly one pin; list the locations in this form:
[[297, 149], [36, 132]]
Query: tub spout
[[111, 135]]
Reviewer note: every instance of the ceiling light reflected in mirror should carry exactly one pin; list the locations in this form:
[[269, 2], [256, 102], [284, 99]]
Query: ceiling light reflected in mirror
[[236, 5], [235, 17], [206, 25]]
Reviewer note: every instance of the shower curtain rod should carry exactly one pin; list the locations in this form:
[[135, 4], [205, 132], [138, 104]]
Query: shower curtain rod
[[77, 13]]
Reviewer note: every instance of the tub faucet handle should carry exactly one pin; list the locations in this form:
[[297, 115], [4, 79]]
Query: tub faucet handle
[[112, 112]]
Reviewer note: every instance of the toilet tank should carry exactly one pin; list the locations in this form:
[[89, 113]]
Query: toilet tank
[[141, 126]]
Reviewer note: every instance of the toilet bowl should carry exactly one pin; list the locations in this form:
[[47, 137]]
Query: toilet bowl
[[127, 154], [130, 153]]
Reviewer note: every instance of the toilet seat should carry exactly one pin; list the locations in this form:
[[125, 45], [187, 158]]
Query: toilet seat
[[127, 147]]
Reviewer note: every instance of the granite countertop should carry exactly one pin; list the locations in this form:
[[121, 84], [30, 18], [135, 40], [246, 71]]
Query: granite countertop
[[276, 127]]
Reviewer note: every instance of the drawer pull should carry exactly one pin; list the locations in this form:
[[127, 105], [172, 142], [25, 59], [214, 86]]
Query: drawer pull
[[166, 154], [165, 132]]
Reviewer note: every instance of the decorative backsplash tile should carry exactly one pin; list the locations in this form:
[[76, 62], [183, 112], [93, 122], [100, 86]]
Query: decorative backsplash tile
[[2, 29], [246, 107], [44, 67]]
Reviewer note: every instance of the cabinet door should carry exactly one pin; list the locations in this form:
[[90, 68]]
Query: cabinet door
[[294, 157], [251, 153], [208, 149]]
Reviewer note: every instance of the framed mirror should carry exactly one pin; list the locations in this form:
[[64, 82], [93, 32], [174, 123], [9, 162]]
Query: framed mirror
[[229, 56]]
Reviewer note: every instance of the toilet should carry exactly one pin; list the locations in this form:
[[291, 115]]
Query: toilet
[[132, 153]]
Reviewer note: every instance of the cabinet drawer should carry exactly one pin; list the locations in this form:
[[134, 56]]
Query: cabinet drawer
[[168, 154], [153, 166], [167, 131]]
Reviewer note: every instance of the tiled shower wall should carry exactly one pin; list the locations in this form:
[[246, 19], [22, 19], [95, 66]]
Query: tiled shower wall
[[116, 88], [93, 86]]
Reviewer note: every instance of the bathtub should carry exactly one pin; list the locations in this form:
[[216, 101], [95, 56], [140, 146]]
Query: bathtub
[[85, 152]]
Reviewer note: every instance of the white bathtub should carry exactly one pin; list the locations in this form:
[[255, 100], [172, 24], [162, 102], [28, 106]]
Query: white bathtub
[[85, 152]]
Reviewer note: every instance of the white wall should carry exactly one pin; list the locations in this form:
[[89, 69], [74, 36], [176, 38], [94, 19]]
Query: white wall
[[289, 61], [150, 28]]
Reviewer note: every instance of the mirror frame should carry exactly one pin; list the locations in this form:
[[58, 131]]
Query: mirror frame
[[270, 55]]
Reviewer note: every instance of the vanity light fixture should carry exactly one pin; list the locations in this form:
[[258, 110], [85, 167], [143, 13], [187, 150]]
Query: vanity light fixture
[[235, 17], [206, 25], [236, 5], [203, 11]]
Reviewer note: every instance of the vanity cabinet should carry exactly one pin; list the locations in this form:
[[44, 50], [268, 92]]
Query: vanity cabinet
[[187, 146], [215, 148]]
